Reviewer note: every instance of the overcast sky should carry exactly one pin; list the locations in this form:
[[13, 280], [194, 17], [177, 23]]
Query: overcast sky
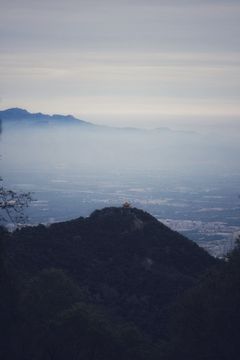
[[141, 63]]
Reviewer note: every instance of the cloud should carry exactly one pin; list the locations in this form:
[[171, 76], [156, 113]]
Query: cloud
[[130, 57], [135, 74], [159, 26]]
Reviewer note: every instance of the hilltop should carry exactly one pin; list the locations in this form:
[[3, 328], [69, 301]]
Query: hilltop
[[123, 260]]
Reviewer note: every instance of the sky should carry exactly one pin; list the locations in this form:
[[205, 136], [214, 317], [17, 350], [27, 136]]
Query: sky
[[132, 63]]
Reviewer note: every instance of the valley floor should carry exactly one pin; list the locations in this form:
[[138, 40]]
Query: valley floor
[[203, 208]]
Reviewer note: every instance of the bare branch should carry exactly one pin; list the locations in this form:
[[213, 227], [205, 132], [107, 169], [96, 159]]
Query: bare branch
[[14, 205]]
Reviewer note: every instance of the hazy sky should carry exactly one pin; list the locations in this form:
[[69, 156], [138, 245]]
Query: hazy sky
[[141, 63]]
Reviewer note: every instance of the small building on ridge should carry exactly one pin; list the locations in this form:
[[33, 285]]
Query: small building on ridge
[[126, 206]]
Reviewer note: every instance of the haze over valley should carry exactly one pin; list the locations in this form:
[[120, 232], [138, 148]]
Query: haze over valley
[[187, 180]]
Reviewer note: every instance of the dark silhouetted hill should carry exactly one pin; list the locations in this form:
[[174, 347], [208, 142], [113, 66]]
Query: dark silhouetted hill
[[126, 261]]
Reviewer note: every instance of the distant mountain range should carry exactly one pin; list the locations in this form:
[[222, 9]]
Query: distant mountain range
[[23, 116], [17, 116], [41, 139]]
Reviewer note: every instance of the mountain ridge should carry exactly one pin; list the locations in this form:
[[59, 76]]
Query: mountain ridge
[[63, 139], [124, 260], [18, 114]]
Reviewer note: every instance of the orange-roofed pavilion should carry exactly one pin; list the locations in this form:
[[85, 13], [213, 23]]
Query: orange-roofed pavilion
[[126, 205]]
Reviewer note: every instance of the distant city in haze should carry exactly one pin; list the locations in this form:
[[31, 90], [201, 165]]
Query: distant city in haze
[[205, 210]]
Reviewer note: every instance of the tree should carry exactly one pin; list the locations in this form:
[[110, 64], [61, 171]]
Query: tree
[[206, 319], [41, 300], [14, 204]]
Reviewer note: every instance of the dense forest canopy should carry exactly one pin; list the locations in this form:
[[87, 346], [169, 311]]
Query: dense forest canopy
[[115, 285]]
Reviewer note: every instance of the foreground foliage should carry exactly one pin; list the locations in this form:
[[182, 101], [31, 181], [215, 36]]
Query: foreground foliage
[[206, 320]]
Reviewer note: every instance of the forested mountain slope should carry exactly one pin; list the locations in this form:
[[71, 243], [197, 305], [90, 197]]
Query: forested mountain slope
[[126, 261], [205, 319]]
